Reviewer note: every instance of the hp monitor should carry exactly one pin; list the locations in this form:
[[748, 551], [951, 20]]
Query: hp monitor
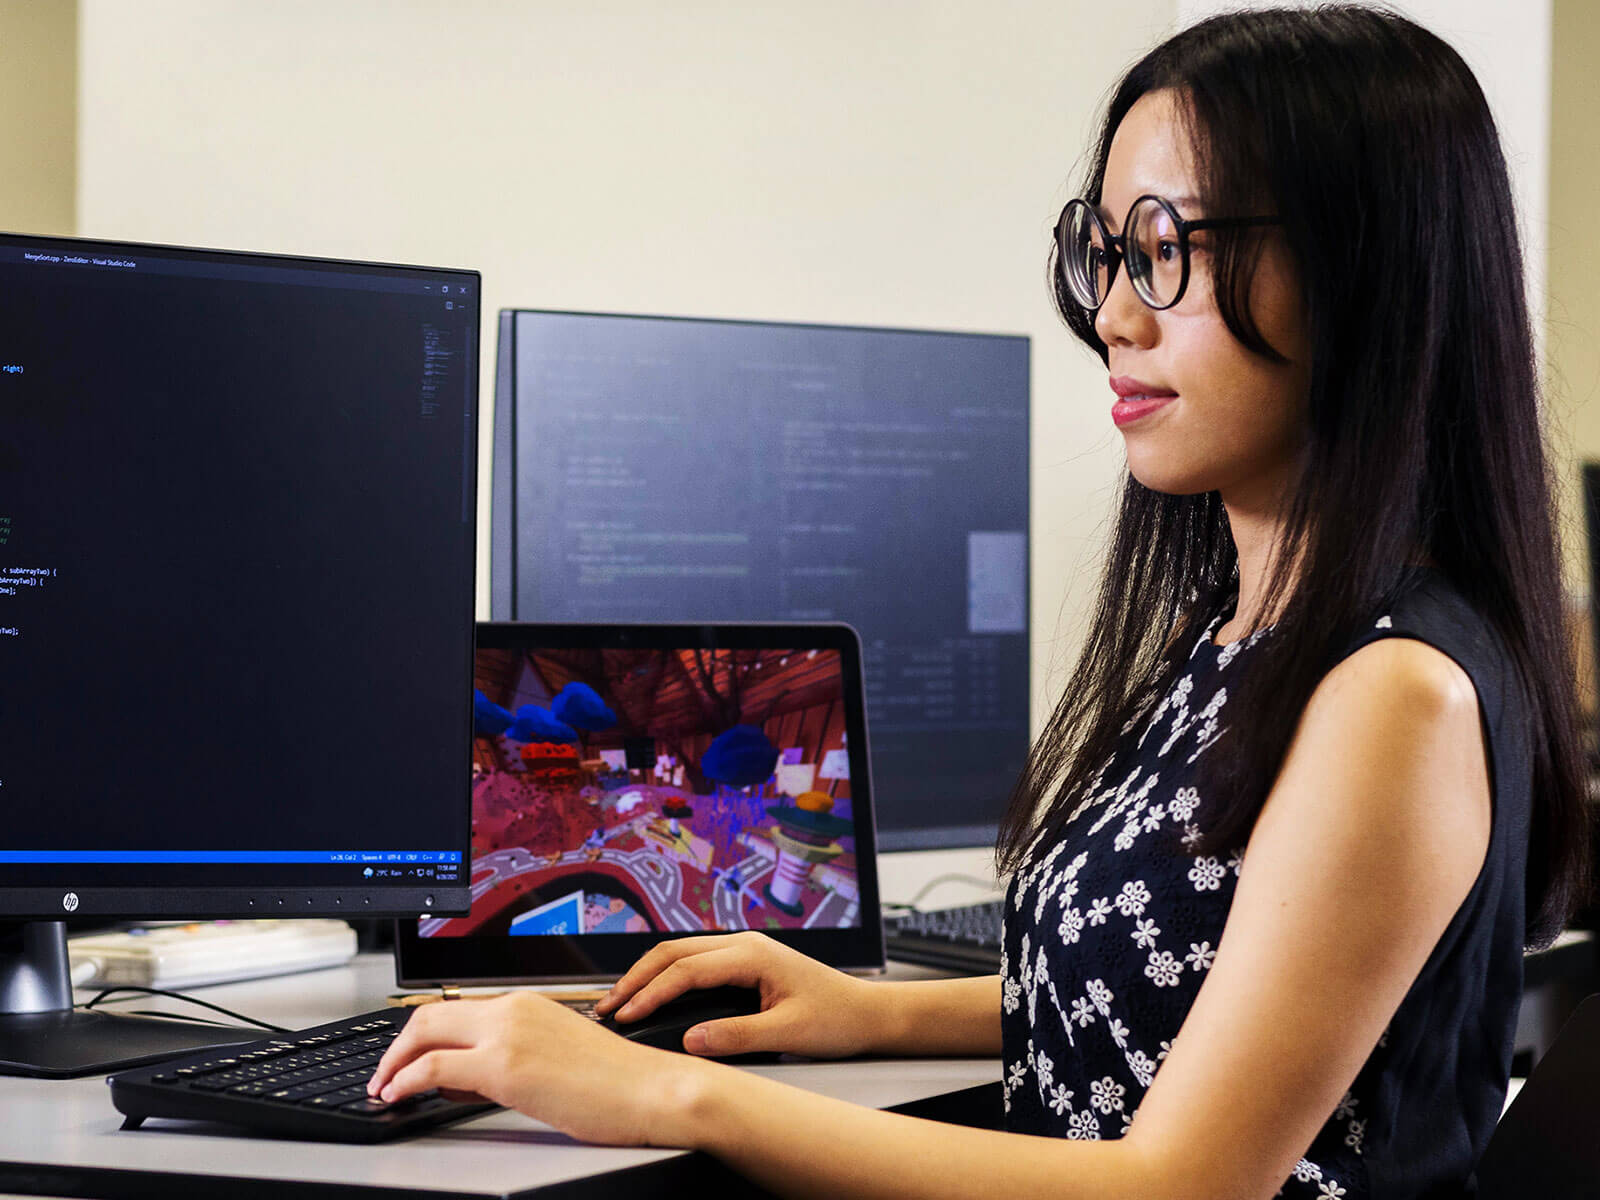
[[236, 603], [656, 469]]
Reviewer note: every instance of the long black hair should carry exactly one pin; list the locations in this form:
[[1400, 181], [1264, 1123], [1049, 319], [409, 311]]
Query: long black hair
[[1372, 140]]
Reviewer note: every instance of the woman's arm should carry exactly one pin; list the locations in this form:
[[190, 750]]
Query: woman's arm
[[1372, 836], [797, 1143], [940, 1017]]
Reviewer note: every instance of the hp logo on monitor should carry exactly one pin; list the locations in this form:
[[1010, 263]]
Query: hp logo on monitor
[[70, 902]]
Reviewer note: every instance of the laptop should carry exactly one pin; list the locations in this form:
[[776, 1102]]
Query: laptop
[[634, 783]]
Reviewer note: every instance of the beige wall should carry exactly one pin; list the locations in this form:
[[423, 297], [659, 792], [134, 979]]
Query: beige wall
[[38, 115], [1573, 343], [895, 163]]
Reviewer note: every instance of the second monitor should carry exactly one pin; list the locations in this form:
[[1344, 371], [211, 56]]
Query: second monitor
[[662, 469]]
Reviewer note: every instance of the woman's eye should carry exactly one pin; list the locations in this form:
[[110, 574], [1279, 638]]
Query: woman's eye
[[1167, 252]]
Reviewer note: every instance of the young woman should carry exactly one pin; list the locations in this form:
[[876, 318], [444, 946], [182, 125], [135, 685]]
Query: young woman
[[1274, 862]]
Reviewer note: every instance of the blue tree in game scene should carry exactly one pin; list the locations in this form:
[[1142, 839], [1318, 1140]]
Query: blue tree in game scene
[[737, 760]]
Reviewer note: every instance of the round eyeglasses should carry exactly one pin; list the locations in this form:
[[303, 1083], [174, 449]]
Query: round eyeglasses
[[1154, 243]]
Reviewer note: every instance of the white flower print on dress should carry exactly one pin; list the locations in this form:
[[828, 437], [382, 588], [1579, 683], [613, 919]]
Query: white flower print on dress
[[1346, 1109], [1099, 910], [1041, 974], [1011, 995], [1030, 986], [1100, 994], [1132, 898], [1181, 720], [1083, 1127], [1166, 1049], [1071, 927], [1144, 1071], [1191, 837], [1083, 1011], [1307, 1171], [1178, 701], [1039, 871], [1200, 956], [1235, 862], [1128, 836], [1068, 874], [1127, 804], [1119, 1033], [1358, 1130], [1038, 906], [1106, 1095], [1059, 1097], [1329, 1189], [1209, 724], [1055, 1003], [1016, 1075], [1163, 968], [1384, 622], [1153, 816], [1182, 806], [1144, 933], [1207, 874], [1045, 1069]]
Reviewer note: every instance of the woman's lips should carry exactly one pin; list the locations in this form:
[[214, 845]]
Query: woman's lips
[[1136, 407]]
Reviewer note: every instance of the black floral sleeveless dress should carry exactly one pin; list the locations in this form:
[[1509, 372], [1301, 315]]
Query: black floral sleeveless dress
[[1110, 932]]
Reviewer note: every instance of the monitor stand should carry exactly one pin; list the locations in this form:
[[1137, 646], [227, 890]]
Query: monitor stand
[[41, 1034]]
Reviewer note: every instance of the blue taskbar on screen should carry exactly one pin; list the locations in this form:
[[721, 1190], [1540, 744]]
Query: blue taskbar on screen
[[230, 856]]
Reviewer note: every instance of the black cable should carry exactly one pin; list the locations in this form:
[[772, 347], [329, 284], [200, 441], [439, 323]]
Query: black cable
[[186, 999], [155, 1012]]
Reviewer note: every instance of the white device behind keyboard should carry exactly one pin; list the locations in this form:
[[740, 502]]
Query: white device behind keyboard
[[184, 956]]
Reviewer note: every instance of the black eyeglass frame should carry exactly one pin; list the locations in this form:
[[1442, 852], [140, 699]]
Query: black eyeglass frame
[[1118, 249]]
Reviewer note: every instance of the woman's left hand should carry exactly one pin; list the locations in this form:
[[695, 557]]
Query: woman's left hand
[[527, 1052]]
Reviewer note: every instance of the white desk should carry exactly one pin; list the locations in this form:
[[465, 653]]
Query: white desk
[[62, 1137]]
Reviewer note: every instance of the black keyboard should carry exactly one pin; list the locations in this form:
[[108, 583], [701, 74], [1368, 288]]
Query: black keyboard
[[310, 1084], [959, 939]]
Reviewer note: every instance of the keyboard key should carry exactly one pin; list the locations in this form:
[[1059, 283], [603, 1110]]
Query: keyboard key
[[339, 1098], [371, 1106], [258, 1088]]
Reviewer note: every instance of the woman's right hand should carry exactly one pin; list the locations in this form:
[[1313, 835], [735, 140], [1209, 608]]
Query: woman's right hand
[[806, 1008]]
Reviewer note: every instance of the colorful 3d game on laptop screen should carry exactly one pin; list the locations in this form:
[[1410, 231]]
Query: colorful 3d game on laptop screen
[[662, 789]]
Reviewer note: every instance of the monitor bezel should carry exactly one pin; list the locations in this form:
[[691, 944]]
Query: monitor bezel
[[76, 895], [437, 961]]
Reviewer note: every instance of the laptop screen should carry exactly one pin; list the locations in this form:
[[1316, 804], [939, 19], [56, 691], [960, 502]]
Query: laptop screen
[[684, 782]]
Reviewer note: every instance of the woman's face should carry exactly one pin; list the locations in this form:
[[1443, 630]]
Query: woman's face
[[1197, 410]]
